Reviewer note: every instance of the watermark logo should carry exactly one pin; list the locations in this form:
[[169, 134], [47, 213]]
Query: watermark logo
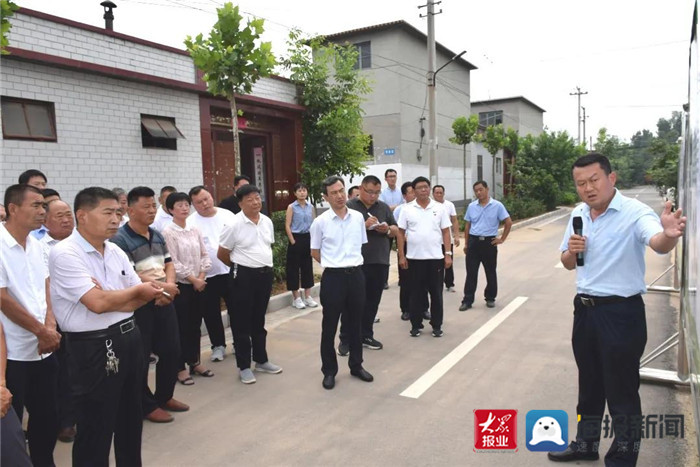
[[547, 430], [495, 430]]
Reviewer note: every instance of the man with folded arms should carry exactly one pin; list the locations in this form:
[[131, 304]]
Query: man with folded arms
[[94, 291]]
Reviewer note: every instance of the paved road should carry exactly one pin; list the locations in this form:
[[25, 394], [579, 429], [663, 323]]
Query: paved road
[[524, 363]]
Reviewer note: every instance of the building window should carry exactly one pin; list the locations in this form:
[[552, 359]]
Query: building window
[[370, 146], [490, 118], [364, 55], [159, 132], [28, 119], [498, 165], [479, 168]]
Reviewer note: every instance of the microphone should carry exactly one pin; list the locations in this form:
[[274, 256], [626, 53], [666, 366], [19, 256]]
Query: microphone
[[578, 230]]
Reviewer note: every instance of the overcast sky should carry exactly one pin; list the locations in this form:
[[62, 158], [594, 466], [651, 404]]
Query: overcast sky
[[631, 56]]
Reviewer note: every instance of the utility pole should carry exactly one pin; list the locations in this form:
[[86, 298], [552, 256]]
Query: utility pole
[[432, 111], [583, 121], [578, 93]]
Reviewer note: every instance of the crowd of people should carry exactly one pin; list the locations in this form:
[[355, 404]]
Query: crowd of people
[[90, 294]]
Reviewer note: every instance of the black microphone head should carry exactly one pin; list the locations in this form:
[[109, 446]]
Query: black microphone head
[[578, 223]]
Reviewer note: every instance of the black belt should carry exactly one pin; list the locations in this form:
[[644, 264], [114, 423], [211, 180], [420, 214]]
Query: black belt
[[481, 237], [590, 300], [122, 327], [262, 270], [348, 270]]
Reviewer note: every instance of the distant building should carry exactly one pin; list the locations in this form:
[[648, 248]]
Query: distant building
[[394, 57], [90, 106], [518, 113]]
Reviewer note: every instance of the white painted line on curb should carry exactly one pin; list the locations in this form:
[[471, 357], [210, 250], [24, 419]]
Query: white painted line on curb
[[432, 376], [549, 221]]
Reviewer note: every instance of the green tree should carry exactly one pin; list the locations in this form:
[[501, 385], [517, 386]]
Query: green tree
[[7, 9], [511, 147], [232, 59], [493, 140], [464, 130], [331, 89]]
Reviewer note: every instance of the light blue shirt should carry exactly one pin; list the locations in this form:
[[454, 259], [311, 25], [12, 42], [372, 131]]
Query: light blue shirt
[[615, 246], [302, 217], [39, 233], [391, 197], [484, 220]]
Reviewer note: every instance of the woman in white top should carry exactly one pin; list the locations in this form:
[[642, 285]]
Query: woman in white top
[[191, 261]]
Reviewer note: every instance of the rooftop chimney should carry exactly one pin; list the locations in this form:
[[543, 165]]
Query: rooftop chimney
[[108, 16]]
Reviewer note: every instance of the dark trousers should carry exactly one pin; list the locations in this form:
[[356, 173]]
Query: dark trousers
[[189, 305], [250, 294], [608, 341], [299, 261], [13, 448], [107, 404], [218, 287], [480, 252], [34, 385], [449, 272], [405, 290], [66, 399], [376, 276], [343, 299], [426, 276], [160, 335]]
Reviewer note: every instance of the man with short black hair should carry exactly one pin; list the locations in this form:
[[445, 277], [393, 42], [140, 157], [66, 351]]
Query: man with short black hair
[[381, 228], [94, 290], [439, 196], [481, 241], [163, 217], [391, 195], [28, 320], [424, 224], [337, 237], [157, 320], [231, 203], [33, 177], [211, 222], [246, 246]]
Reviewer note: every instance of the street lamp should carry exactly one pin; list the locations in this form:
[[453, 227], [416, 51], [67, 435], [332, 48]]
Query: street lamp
[[432, 120]]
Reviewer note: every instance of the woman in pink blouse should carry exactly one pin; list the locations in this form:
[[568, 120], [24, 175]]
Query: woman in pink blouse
[[191, 261]]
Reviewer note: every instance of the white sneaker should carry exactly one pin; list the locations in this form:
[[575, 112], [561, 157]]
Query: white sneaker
[[310, 302], [217, 353], [247, 376], [297, 303], [268, 367]]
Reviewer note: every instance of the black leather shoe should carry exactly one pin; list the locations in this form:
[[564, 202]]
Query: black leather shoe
[[426, 314], [328, 382], [573, 453], [363, 374]]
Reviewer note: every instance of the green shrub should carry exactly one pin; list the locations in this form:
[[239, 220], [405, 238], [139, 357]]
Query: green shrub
[[568, 199], [521, 208], [279, 248]]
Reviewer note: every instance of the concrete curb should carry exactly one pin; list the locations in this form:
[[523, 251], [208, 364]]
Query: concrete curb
[[560, 211]]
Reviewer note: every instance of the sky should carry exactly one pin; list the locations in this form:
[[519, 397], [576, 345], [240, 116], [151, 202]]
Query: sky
[[630, 56]]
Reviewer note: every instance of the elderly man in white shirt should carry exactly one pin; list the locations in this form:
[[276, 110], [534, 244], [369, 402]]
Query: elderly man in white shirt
[[30, 327], [439, 196], [94, 290], [337, 237], [246, 246]]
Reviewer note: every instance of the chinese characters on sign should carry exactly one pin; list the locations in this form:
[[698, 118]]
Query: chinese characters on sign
[[495, 430], [645, 426]]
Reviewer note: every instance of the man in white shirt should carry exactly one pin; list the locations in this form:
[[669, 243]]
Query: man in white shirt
[[212, 221], [94, 290], [439, 196], [163, 217], [60, 224], [391, 195], [28, 320], [337, 237], [246, 246], [424, 226]]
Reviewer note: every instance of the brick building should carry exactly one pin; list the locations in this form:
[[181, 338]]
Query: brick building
[[90, 106]]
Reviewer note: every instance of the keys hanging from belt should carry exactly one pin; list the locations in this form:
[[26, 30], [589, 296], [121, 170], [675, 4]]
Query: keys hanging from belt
[[112, 365]]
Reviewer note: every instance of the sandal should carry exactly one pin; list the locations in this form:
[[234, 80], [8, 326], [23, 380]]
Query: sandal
[[186, 382], [206, 373]]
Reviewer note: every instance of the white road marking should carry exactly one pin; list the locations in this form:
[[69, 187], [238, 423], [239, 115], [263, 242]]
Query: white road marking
[[432, 376]]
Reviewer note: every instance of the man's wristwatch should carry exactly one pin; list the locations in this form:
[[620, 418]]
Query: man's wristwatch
[[448, 253]]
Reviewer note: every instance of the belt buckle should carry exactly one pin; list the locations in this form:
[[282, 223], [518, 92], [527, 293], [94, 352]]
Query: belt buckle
[[127, 327], [587, 301], [482, 238]]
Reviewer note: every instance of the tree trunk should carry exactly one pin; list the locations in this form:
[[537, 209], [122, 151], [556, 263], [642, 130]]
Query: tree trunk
[[236, 139], [464, 163], [493, 174]]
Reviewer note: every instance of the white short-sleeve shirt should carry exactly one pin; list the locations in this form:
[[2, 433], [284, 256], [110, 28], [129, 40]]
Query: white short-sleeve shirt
[[211, 228], [423, 229], [72, 265], [249, 243], [451, 211], [23, 273], [340, 240]]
